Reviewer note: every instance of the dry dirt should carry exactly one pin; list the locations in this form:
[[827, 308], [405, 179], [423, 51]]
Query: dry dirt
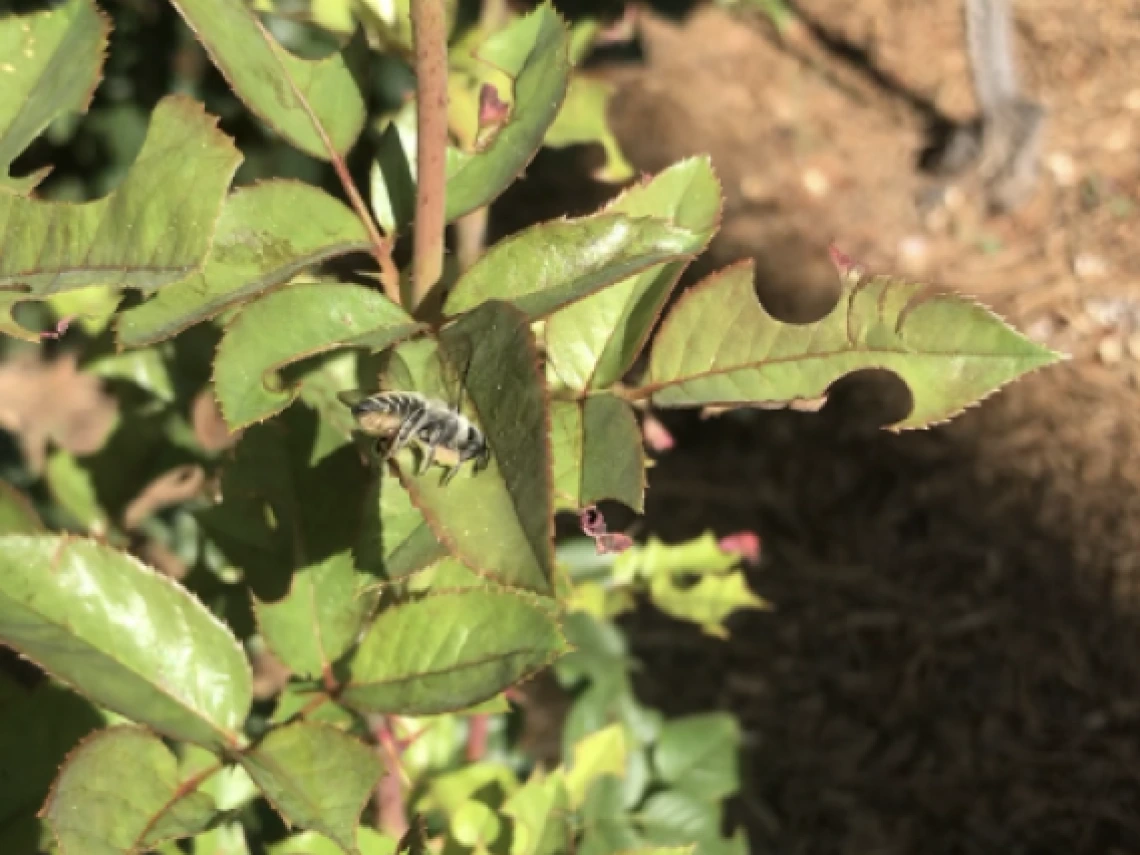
[[952, 662]]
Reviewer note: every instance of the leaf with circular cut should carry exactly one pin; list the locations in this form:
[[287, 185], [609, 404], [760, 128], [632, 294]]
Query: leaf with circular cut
[[544, 268], [718, 346], [120, 793], [128, 638], [316, 776], [53, 61], [288, 325], [154, 229], [449, 651], [267, 234], [315, 104], [591, 344]]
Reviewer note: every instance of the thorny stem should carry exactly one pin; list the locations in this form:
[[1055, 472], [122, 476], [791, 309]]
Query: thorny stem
[[381, 248], [429, 31]]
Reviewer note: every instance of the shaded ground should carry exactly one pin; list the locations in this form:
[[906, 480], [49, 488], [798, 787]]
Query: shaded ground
[[951, 665]]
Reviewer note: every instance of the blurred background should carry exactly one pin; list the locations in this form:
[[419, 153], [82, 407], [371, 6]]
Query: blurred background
[[952, 660]]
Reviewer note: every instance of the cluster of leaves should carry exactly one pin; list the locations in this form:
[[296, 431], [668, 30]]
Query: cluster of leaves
[[375, 594]]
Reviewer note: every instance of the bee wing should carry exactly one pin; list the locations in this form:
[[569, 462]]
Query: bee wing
[[351, 397], [457, 364]]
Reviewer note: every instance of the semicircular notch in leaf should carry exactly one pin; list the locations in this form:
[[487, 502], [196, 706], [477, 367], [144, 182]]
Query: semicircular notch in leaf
[[317, 777], [153, 229], [533, 51], [449, 651], [550, 265], [499, 522], [314, 104], [598, 453], [126, 637], [289, 325], [718, 346], [267, 234], [591, 344], [53, 62], [120, 793]]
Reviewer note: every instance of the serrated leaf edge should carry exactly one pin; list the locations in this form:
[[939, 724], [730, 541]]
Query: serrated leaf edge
[[231, 739]]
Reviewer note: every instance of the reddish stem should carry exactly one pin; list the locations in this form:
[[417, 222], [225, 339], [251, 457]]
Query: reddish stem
[[429, 30], [477, 731]]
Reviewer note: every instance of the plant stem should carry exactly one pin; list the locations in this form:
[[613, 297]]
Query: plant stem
[[429, 31]]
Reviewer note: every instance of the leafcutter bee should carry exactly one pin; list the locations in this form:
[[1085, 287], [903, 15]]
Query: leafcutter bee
[[442, 434]]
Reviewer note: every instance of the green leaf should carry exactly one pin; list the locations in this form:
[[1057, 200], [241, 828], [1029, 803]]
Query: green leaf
[[120, 792], [73, 489], [591, 344], [320, 617], [392, 178], [698, 755], [707, 602], [229, 786], [395, 539], [475, 826], [598, 453], [499, 522], [451, 790], [130, 639], [17, 515], [543, 268], [315, 105], [671, 817], [153, 229], [147, 369], [582, 119], [52, 64], [446, 575], [288, 325], [267, 234], [449, 651], [316, 776], [603, 752], [606, 827], [541, 813], [533, 51], [368, 841], [37, 729], [719, 346]]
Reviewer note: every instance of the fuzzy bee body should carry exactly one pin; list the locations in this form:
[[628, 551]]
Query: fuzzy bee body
[[444, 435]]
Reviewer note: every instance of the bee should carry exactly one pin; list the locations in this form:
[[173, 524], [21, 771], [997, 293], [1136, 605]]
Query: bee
[[443, 434]]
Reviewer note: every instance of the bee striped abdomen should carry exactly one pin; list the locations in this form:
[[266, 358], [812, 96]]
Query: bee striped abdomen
[[444, 435]]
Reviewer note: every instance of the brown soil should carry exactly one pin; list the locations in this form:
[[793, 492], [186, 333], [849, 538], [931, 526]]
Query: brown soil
[[952, 661]]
